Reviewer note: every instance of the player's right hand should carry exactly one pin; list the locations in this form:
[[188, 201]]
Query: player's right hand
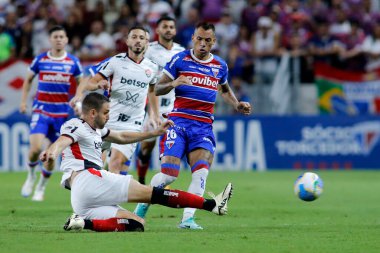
[[103, 85], [23, 108], [182, 80], [46, 157], [163, 127]]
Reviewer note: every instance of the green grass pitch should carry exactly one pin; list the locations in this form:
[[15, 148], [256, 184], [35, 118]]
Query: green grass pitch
[[264, 216]]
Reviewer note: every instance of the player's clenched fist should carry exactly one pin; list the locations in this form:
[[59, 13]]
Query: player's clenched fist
[[244, 108]]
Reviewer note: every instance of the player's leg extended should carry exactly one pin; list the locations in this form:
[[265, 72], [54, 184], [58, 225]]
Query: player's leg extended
[[200, 161], [170, 166], [177, 198], [143, 159], [172, 148], [125, 221], [36, 141]]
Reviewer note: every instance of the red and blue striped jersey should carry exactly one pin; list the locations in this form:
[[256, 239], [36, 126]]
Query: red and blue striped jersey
[[55, 76], [196, 101]]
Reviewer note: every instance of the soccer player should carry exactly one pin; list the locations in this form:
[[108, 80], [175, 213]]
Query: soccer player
[[132, 79], [196, 75], [160, 52], [55, 69], [97, 193]]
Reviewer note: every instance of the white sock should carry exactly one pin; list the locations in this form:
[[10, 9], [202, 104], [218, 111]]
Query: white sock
[[197, 187], [161, 180], [32, 169]]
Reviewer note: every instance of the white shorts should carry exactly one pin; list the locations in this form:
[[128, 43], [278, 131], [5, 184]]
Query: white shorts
[[97, 194], [126, 149]]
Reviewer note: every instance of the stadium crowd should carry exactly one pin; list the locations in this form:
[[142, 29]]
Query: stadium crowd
[[252, 34]]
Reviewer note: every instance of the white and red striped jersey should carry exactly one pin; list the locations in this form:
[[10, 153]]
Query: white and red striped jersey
[[161, 55], [130, 82], [85, 151]]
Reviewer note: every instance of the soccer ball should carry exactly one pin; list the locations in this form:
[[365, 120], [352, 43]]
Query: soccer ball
[[308, 186]]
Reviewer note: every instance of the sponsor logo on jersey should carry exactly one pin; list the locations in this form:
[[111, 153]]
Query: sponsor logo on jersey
[[98, 144], [204, 69], [67, 68], [206, 81], [55, 78], [148, 72], [131, 97], [133, 82], [169, 144], [215, 71]]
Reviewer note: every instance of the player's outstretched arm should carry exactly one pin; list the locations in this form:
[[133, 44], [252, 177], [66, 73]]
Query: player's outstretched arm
[[132, 137], [25, 91], [50, 154], [166, 84], [230, 98]]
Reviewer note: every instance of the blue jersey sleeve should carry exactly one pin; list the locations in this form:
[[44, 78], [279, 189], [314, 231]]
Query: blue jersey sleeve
[[78, 71], [171, 68], [34, 66], [224, 77]]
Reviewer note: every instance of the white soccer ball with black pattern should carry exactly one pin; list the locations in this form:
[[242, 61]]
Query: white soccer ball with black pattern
[[308, 186]]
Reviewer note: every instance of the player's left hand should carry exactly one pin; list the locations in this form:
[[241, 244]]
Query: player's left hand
[[155, 122], [244, 108]]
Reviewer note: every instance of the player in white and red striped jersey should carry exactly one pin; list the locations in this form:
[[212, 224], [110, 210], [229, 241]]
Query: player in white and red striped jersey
[[196, 75], [56, 70], [96, 193]]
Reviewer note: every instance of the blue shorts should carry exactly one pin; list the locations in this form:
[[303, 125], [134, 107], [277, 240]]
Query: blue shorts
[[186, 136], [48, 126]]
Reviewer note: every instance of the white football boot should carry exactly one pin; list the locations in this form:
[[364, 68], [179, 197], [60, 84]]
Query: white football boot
[[222, 199]]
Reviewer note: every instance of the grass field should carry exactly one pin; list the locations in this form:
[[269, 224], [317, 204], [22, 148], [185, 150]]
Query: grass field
[[264, 216]]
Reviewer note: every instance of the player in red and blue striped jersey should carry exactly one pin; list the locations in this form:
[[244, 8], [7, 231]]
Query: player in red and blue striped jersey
[[56, 71], [197, 76]]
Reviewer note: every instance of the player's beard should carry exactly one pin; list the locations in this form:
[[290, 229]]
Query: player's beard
[[136, 50], [100, 123]]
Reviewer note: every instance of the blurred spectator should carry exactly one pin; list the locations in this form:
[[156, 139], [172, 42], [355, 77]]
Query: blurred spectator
[[265, 49], [126, 17], [322, 46], [240, 61], [186, 30], [226, 32], [152, 10], [26, 50], [211, 11], [7, 46], [298, 50], [74, 26], [341, 27], [111, 14], [297, 25], [75, 46], [371, 48], [119, 38], [251, 14], [240, 89], [13, 29], [98, 44], [354, 60]]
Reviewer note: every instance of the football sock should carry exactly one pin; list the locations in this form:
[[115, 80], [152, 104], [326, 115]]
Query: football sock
[[114, 225], [161, 180], [180, 199], [142, 166], [197, 187], [44, 178], [170, 169], [31, 168]]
